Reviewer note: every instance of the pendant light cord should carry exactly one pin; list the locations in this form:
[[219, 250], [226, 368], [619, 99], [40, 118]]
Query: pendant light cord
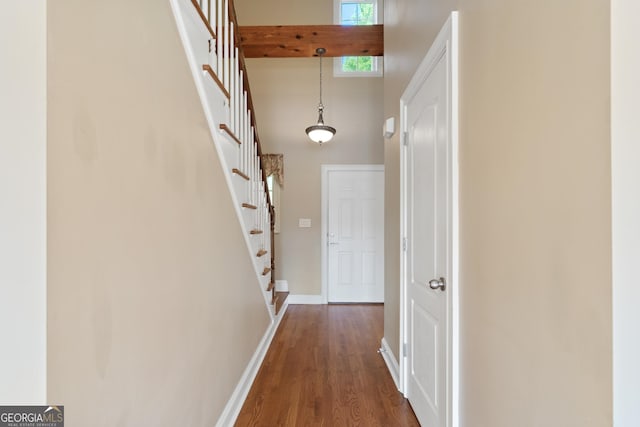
[[320, 54]]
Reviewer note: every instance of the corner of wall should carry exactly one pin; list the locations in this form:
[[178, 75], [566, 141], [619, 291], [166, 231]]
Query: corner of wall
[[23, 192]]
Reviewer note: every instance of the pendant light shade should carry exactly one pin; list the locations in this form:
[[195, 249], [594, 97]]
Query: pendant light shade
[[320, 133]]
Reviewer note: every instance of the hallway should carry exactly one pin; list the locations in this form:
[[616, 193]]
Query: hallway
[[323, 369]]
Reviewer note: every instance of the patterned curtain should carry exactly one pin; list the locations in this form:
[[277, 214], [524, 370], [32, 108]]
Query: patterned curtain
[[273, 164]]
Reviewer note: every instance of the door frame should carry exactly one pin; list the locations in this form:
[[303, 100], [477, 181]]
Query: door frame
[[325, 171], [446, 43]]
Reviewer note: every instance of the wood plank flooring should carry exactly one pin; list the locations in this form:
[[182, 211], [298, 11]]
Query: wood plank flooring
[[323, 369]]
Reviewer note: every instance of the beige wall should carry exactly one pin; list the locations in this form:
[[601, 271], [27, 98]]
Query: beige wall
[[285, 94], [535, 204], [154, 309]]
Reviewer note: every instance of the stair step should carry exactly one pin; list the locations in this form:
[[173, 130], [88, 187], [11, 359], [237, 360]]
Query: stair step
[[240, 173], [266, 271], [261, 252], [230, 133], [249, 206], [255, 232], [208, 69], [204, 18], [271, 285], [281, 297]]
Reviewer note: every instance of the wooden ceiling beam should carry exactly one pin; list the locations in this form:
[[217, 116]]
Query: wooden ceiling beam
[[299, 41]]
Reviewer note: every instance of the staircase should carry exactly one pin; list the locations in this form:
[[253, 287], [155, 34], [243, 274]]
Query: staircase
[[207, 29]]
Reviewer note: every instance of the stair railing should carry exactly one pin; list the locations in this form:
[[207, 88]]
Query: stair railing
[[228, 69]]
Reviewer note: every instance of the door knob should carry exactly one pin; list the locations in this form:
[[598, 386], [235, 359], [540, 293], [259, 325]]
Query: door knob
[[331, 241], [438, 283]]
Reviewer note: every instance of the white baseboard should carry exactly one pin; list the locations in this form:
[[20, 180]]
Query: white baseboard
[[234, 405], [305, 299], [391, 362]]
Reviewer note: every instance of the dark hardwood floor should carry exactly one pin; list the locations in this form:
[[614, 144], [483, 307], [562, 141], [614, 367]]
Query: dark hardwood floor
[[323, 369]]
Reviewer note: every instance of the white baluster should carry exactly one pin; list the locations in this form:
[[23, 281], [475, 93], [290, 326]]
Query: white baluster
[[227, 45], [260, 219], [246, 163], [256, 169], [236, 89], [249, 169], [219, 38], [249, 135], [232, 99], [233, 76], [253, 173], [258, 213], [212, 14], [268, 248], [245, 116], [264, 227], [262, 215], [250, 156], [240, 106], [244, 150]]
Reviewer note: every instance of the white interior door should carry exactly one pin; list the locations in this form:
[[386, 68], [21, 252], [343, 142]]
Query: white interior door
[[428, 219], [355, 235]]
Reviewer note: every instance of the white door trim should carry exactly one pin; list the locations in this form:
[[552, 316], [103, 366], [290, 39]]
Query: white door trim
[[325, 170], [446, 43]]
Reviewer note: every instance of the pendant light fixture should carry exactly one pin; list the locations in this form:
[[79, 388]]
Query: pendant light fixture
[[320, 132]]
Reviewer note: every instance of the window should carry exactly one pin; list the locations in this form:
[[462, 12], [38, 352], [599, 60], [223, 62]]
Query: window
[[274, 196], [357, 12]]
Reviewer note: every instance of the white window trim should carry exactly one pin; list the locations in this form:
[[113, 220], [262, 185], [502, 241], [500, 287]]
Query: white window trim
[[377, 60], [377, 72]]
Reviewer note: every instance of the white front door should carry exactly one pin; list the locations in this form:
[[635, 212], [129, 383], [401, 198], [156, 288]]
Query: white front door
[[355, 233], [427, 169]]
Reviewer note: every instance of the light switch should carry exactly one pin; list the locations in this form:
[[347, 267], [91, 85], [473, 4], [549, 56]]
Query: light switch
[[304, 222]]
